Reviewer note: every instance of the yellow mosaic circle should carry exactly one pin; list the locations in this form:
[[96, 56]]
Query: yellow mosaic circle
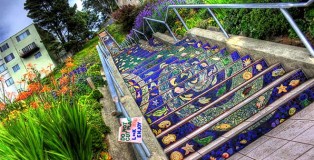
[[164, 124], [169, 138], [292, 111], [247, 75], [259, 67], [176, 155]]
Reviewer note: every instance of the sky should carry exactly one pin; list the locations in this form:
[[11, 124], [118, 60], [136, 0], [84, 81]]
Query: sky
[[13, 17]]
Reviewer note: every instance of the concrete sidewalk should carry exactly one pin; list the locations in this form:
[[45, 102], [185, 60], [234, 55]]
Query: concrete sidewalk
[[293, 139]]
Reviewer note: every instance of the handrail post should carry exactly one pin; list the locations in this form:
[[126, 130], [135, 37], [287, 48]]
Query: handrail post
[[114, 40], [174, 37], [151, 28], [177, 13], [305, 41], [217, 21]]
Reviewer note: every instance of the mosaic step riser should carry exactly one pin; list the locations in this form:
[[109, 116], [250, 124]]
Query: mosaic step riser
[[170, 71], [125, 52], [174, 52], [129, 64], [172, 78], [238, 114], [128, 58], [199, 57], [196, 119], [218, 84], [168, 53], [153, 84], [260, 80], [148, 60], [259, 124], [202, 76], [143, 72], [128, 74], [181, 42]]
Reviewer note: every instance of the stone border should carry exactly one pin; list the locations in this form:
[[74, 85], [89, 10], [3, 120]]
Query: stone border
[[291, 57], [134, 111]]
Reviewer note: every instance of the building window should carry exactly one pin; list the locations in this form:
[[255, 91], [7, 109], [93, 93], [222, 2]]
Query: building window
[[23, 35], [2, 68], [9, 58], [16, 68], [4, 47], [37, 55], [9, 82]]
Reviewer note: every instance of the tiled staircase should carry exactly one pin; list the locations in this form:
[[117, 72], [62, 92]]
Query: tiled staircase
[[204, 103]]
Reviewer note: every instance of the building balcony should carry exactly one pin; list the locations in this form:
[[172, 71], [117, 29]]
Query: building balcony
[[29, 50]]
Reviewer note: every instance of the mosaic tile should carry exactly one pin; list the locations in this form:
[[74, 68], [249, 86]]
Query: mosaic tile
[[174, 69], [214, 111], [169, 90], [194, 90], [264, 125]]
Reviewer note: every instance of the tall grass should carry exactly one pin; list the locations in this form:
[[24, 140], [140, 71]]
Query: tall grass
[[61, 132]]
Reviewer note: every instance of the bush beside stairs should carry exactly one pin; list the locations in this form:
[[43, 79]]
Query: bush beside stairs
[[203, 102]]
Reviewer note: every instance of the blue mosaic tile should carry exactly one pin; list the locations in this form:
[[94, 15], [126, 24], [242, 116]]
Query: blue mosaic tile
[[263, 126], [243, 113], [167, 90]]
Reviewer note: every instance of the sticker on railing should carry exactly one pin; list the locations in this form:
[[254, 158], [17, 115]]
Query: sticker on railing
[[130, 130]]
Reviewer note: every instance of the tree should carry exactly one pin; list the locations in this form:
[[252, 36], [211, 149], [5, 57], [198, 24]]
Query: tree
[[58, 18], [103, 7]]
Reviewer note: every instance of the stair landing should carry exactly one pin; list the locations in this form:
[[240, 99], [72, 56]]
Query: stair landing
[[292, 140]]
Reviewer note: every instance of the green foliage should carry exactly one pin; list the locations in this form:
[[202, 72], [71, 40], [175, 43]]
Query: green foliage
[[96, 95], [126, 16], [62, 132], [103, 7], [116, 31], [256, 23], [57, 17]]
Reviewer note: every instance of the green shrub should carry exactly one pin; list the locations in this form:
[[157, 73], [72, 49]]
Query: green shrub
[[96, 94], [126, 16], [116, 31]]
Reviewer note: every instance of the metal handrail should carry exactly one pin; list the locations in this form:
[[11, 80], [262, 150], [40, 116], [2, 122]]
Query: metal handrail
[[281, 6], [141, 148]]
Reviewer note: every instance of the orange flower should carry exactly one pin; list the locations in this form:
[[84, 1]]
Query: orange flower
[[2, 106], [69, 64], [23, 95], [64, 71], [34, 87], [64, 80], [47, 105], [30, 65], [30, 75], [45, 89], [54, 82], [69, 59], [34, 104], [1, 78], [44, 71], [63, 90]]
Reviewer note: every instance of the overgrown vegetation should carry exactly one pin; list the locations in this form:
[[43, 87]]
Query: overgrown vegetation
[[256, 23], [116, 31], [58, 117]]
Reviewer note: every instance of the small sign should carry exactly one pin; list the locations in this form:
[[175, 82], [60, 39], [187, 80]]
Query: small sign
[[130, 130]]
